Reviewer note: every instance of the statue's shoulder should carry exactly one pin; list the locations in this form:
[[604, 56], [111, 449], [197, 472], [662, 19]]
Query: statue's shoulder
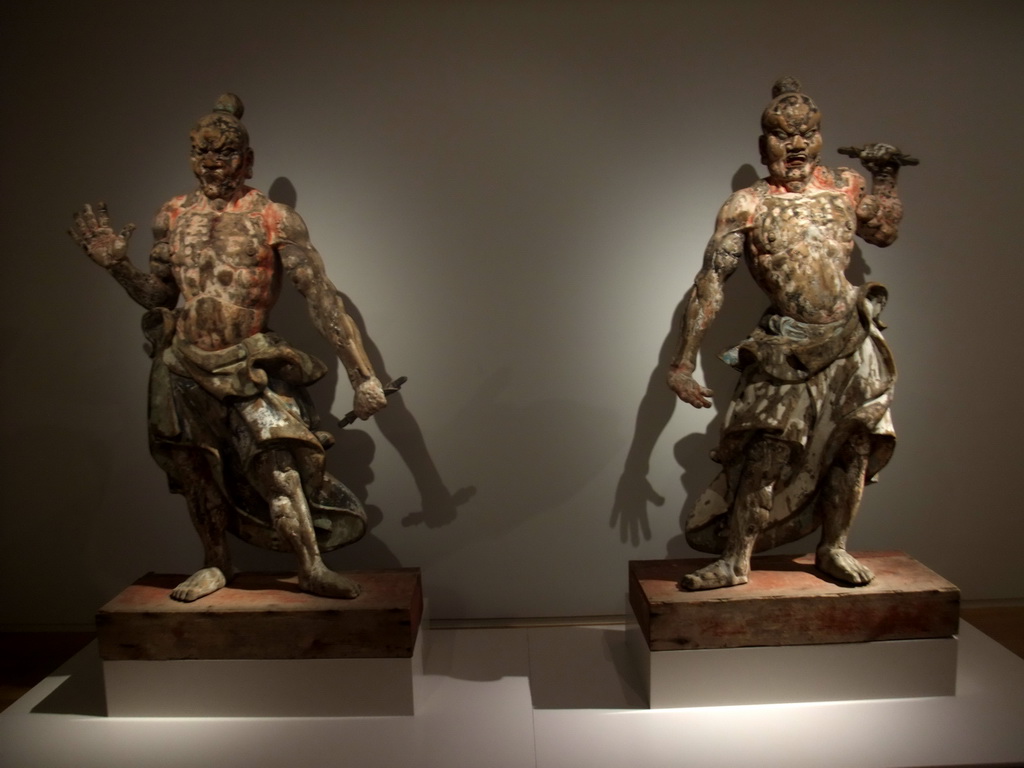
[[848, 183], [275, 216], [259, 199], [283, 222], [841, 178], [743, 203], [188, 200], [176, 203], [252, 200], [170, 211], [759, 190]]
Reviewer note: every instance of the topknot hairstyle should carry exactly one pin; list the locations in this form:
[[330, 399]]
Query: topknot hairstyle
[[787, 94], [231, 104], [782, 85], [225, 117]]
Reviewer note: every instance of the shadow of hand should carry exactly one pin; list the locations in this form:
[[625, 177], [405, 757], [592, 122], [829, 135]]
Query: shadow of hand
[[629, 511]]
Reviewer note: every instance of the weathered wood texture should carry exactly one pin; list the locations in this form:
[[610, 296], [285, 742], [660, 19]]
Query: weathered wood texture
[[264, 616], [788, 602]]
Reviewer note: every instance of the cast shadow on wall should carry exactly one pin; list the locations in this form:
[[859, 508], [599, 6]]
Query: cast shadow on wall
[[634, 494], [354, 449]]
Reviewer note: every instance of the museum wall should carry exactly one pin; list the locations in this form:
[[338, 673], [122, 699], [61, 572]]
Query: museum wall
[[513, 198]]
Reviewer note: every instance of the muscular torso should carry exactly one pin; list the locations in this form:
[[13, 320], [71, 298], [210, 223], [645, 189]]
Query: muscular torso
[[799, 246], [225, 266]]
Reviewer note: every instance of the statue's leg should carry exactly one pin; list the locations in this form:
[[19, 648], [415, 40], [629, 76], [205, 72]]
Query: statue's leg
[[280, 483], [209, 513], [839, 503], [765, 460]]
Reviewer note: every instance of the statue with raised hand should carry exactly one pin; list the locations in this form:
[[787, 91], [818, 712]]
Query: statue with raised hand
[[809, 423], [230, 420]]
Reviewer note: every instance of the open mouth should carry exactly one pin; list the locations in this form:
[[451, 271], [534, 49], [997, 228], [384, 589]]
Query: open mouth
[[215, 179], [795, 160]]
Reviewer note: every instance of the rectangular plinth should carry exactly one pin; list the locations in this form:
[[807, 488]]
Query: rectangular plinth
[[263, 616], [264, 687], [788, 602], [715, 677]]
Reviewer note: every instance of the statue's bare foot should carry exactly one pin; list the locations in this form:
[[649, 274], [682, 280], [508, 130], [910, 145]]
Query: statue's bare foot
[[199, 584], [720, 573], [841, 565], [327, 583]]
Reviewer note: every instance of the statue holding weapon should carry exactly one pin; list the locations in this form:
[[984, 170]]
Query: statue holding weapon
[[809, 423], [230, 420]]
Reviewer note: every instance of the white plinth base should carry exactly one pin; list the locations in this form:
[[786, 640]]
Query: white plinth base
[[265, 687], [893, 669]]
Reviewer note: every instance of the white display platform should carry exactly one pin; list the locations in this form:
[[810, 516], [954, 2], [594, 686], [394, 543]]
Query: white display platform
[[714, 677], [264, 687], [544, 697]]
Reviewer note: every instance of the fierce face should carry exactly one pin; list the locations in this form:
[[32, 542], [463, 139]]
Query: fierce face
[[221, 159], [791, 140]]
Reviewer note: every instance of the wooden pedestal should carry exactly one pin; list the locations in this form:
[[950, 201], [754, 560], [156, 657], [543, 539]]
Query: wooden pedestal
[[792, 634], [789, 602], [261, 647]]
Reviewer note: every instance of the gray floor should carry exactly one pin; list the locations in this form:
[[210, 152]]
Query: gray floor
[[548, 697]]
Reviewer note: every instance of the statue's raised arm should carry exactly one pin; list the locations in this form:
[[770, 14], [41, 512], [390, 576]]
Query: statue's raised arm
[[879, 212], [109, 249]]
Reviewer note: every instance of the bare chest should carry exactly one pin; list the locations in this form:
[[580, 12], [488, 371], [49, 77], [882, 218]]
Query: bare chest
[[220, 253], [820, 222], [800, 248]]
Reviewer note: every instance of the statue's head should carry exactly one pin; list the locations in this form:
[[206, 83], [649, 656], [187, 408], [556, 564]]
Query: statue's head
[[790, 134], [221, 157]]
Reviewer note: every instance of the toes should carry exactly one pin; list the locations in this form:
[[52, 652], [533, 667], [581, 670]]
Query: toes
[[863, 575], [199, 585], [690, 582], [718, 574], [841, 565], [327, 583]]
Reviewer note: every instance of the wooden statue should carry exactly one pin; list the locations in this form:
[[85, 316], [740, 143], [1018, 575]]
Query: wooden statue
[[230, 421], [809, 423]]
